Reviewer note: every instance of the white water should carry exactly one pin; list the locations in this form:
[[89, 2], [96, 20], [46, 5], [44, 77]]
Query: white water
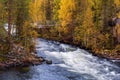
[[69, 63]]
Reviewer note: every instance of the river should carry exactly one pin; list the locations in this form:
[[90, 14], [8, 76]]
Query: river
[[69, 63]]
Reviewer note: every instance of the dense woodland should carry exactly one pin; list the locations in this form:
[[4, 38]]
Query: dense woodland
[[93, 24], [17, 41], [88, 23]]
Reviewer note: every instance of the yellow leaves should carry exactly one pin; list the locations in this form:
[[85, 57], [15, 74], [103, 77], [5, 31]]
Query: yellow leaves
[[88, 19], [103, 38], [118, 14], [34, 34], [36, 11], [28, 34], [69, 4], [88, 24], [86, 32], [90, 3], [66, 13], [27, 31], [117, 3], [77, 34], [66, 19], [62, 29], [67, 8], [55, 9]]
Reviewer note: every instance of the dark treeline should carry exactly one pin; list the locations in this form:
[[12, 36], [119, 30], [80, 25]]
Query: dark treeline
[[93, 24]]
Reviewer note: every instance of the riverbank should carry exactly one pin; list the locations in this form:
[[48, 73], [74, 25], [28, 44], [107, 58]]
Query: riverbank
[[19, 60], [69, 62]]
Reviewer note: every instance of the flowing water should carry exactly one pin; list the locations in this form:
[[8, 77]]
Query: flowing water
[[69, 63]]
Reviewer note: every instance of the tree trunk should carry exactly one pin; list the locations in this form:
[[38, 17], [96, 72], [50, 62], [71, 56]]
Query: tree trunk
[[9, 17]]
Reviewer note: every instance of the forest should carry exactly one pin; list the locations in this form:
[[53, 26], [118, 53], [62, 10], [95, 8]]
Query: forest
[[90, 24], [59, 39], [17, 36]]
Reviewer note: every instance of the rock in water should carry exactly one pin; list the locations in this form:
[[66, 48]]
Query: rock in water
[[48, 61]]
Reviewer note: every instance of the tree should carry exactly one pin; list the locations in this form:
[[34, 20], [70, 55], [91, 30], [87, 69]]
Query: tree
[[80, 10], [66, 16], [117, 4], [3, 13], [88, 28], [56, 8], [24, 29], [37, 12], [48, 9]]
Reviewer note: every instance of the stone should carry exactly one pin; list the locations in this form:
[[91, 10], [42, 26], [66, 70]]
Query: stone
[[48, 61]]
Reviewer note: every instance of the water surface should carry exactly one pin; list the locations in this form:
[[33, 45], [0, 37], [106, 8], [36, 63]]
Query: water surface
[[69, 63]]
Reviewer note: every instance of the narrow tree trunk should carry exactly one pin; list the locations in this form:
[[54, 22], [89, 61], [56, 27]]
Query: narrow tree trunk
[[10, 6], [9, 17]]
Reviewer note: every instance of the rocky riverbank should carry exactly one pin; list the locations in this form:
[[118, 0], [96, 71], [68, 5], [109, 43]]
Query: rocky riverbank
[[20, 57], [19, 60]]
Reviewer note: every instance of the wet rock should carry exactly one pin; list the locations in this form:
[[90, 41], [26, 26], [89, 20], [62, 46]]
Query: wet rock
[[48, 61], [35, 52], [41, 59]]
